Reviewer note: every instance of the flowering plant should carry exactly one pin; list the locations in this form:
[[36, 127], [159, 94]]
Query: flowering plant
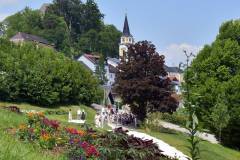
[[82, 150], [50, 125], [34, 118], [46, 140]]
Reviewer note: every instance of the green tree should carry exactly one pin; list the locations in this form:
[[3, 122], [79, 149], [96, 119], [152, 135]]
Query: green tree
[[43, 76], [27, 20], [106, 41], [101, 71], [89, 41], [80, 17], [219, 116], [56, 31], [217, 71], [140, 81], [109, 39]]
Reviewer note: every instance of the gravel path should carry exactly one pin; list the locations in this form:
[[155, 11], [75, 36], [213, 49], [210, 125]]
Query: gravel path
[[205, 136]]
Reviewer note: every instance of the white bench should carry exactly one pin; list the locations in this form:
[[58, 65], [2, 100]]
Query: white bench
[[77, 121]]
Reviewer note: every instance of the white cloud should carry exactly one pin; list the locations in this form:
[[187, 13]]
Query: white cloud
[[174, 53]]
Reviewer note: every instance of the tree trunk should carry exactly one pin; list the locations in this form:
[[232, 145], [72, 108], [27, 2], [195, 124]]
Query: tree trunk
[[219, 134]]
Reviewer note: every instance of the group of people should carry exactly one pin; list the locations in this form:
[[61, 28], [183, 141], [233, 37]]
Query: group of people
[[126, 119], [108, 115]]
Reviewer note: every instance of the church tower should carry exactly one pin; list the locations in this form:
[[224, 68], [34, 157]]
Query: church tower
[[126, 39]]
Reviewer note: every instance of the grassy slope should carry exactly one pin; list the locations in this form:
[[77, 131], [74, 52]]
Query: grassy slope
[[90, 113], [11, 148], [208, 150]]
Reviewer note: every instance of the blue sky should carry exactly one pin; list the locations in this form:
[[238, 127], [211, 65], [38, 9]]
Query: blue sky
[[172, 25]]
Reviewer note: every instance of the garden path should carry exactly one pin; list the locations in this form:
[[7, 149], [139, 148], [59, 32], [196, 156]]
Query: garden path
[[205, 136], [166, 148]]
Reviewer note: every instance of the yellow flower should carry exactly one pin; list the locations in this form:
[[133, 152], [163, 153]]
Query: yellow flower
[[94, 136]]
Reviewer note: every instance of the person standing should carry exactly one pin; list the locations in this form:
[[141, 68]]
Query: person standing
[[70, 115], [83, 116], [78, 114]]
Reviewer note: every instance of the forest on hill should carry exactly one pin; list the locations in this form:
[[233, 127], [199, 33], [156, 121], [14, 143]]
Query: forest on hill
[[73, 26]]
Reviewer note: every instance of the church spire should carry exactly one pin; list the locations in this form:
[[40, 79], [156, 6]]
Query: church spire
[[126, 30]]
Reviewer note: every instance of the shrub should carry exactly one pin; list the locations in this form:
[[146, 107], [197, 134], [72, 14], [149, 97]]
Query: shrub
[[154, 119], [118, 145], [56, 112], [43, 76], [40, 129]]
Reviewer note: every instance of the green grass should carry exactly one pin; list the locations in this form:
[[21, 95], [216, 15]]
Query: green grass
[[13, 149], [90, 113], [208, 150]]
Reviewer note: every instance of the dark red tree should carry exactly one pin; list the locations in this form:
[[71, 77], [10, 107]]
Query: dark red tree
[[141, 81]]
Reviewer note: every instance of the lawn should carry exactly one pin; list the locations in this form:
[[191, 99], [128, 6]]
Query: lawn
[[13, 149], [90, 113], [208, 150]]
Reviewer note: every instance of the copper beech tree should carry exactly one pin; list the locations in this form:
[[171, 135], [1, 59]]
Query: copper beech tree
[[141, 81]]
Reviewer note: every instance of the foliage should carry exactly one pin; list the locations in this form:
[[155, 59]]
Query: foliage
[[27, 20], [101, 71], [118, 145], [220, 116], [193, 128], [140, 81], [216, 70], [43, 76], [71, 25], [175, 118]]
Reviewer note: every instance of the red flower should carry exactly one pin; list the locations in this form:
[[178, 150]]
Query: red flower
[[91, 151], [72, 130], [51, 123], [84, 145]]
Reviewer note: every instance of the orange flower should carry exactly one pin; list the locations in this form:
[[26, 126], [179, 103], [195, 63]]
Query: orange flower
[[40, 114], [22, 126], [81, 132], [30, 114], [75, 140], [45, 136]]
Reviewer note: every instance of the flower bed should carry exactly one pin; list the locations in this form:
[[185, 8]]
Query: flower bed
[[84, 144]]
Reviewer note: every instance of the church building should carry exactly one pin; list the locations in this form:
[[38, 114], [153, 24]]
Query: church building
[[125, 40]]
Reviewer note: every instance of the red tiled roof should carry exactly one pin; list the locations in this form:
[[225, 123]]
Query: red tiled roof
[[93, 58]]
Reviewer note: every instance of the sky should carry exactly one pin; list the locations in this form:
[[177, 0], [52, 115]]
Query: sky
[[171, 25]]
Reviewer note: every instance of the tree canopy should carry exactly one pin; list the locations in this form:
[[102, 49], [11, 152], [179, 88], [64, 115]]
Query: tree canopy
[[73, 26], [141, 82], [216, 71], [43, 76]]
